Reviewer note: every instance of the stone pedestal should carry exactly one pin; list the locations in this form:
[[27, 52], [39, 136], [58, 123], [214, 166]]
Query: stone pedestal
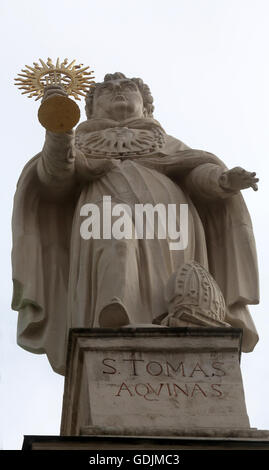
[[251, 440], [164, 382]]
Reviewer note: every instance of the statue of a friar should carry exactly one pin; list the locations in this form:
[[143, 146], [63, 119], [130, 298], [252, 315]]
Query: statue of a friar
[[63, 280]]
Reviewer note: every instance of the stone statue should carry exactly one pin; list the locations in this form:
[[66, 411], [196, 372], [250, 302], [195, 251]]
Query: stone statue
[[63, 281]]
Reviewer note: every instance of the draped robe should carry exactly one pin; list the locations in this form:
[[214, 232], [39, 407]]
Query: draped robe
[[62, 281]]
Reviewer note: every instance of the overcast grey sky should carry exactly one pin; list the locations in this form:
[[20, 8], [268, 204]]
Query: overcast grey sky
[[206, 62]]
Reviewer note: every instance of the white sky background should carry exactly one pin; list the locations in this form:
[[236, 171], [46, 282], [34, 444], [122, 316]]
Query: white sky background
[[207, 64]]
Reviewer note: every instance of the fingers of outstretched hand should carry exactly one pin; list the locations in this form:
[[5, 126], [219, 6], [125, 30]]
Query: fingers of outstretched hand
[[249, 174], [247, 178], [254, 187], [250, 180]]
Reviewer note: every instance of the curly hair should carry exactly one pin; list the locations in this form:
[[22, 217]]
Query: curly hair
[[143, 88]]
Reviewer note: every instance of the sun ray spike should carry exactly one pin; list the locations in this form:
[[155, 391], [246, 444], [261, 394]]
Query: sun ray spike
[[45, 67], [69, 66], [76, 79]]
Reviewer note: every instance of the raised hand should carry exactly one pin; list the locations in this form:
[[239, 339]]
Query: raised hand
[[57, 112], [237, 178], [53, 90]]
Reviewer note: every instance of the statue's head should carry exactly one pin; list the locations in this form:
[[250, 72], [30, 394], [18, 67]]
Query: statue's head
[[119, 98]]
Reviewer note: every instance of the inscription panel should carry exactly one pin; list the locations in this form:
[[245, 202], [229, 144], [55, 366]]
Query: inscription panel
[[153, 388]]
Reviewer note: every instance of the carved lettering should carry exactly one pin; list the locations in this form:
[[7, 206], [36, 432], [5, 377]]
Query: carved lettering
[[169, 391], [179, 367], [154, 391], [198, 388], [149, 366], [167, 368], [133, 361], [198, 368], [139, 393], [215, 366], [147, 392], [219, 393], [113, 369], [124, 387], [186, 392]]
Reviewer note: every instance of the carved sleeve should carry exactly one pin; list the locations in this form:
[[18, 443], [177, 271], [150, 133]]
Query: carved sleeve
[[203, 181], [56, 167]]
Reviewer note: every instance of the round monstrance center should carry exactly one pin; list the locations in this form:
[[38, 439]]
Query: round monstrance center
[[59, 114]]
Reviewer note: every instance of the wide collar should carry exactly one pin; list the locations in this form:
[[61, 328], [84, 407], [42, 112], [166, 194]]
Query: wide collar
[[93, 125]]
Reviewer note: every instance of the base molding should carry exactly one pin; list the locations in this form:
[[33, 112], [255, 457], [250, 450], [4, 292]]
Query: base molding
[[256, 440]]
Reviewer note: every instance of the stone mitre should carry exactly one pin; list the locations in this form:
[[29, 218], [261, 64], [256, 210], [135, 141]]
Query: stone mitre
[[194, 298]]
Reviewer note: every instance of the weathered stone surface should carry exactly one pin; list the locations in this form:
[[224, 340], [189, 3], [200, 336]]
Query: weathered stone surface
[[147, 381]]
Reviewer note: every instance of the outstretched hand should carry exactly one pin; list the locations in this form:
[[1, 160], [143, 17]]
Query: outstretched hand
[[237, 178]]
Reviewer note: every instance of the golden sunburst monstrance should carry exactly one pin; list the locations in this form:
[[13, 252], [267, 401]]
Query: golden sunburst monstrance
[[57, 113]]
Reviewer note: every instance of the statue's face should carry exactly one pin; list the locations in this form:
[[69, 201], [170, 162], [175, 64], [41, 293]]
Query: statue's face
[[117, 99]]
